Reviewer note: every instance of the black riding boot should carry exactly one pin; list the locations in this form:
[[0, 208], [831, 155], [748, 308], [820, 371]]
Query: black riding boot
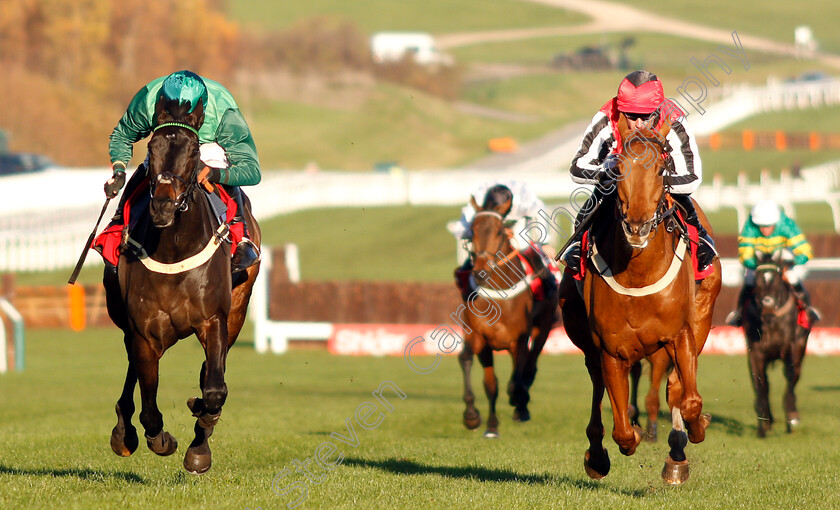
[[805, 300], [706, 251], [735, 316], [571, 255], [247, 254], [462, 278]]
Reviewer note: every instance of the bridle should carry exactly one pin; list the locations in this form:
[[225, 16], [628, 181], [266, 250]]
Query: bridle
[[501, 232], [780, 309], [663, 210], [181, 203]]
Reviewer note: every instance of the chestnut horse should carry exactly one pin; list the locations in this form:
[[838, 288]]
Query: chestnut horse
[[660, 365], [501, 315], [772, 333], [637, 297], [178, 283]]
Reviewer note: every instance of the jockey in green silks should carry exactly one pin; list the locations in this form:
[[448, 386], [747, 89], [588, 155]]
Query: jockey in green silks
[[227, 147], [768, 230]]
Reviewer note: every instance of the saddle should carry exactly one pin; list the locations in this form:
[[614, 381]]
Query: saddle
[[116, 238], [672, 222]]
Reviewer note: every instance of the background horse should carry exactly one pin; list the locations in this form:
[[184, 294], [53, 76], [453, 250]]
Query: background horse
[[772, 333], [639, 295], [502, 315], [186, 289]]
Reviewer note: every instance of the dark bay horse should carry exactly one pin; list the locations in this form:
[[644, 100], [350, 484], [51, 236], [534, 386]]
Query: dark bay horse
[[178, 285], [772, 333], [639, 296], [502, 315]]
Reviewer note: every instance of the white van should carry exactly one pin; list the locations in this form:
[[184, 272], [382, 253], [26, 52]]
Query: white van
[[393, 46]]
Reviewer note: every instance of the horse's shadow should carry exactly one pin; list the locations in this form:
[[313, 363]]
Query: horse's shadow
[[82, 474], [731, 426], [482, 474]]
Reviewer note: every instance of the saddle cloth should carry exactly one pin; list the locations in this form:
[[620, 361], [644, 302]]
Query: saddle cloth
[[111, 241]]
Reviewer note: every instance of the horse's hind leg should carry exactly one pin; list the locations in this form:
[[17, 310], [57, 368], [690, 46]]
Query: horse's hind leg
[[147, 365], [596, 461], [491, 388], [659, 364], [472, 418], [124, 439], [633, 408]]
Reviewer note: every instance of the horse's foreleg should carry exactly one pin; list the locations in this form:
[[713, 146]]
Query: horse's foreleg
[[618, 389], [793, 369], [491, 388], [684, 354], [124, 439], [596, 461], [147, 363], [208, 408], [472, 418], [758, 370]]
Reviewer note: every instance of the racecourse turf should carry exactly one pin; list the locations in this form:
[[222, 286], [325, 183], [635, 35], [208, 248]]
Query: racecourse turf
[[56, 417]]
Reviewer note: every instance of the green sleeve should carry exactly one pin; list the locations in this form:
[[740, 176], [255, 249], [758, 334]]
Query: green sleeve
[[134, 125], [235, 138], [746, 244]]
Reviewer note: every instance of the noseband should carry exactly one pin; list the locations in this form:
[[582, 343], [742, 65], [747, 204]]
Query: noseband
[[474, 254], [662, 210], [167, 177]]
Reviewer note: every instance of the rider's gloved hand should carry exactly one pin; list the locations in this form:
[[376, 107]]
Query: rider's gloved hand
[[117, 180]]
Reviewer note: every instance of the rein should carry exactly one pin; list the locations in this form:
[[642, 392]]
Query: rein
[[498, 293]]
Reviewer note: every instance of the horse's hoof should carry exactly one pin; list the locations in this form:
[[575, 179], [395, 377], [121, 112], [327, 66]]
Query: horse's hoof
[[124, 441], [197, 460], [491, 434], [675, 473], [697, 430], [521, 416], [196, 405], [792, 423], [651, 435], [472, 420], [598, 468], [162, 444]]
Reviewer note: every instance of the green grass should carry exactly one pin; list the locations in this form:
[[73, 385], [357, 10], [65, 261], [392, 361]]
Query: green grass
[[436, 16], [771, 19], [58, 414]]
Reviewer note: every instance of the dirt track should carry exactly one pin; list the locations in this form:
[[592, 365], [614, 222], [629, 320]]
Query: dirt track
[[603, 16]]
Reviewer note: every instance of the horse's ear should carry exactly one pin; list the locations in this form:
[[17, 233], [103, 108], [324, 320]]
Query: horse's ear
[[623, 125], [474, 204], [196, 117], [665, 129]]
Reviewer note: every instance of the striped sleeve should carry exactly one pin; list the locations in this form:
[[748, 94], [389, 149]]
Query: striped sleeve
[[687, 167], [746, 244], [797, 243], [598, 141]]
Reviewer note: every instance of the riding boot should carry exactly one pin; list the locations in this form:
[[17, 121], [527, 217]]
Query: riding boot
[[462, 279], [571, 255], [735, 316], [706, 251], [804, 301], [247, 253]]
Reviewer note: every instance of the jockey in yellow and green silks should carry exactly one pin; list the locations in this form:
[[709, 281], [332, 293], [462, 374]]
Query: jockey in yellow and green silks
[[227, 147], [768, 230]]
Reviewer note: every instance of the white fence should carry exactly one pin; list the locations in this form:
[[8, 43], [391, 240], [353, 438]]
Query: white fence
[[47, 216]]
